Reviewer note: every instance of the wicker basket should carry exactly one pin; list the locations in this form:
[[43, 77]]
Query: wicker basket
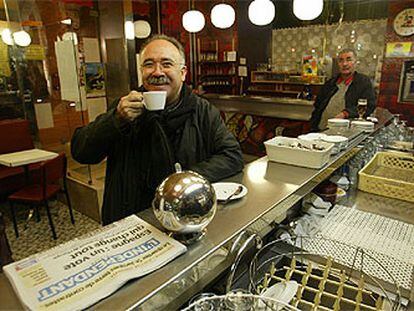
[[390, 174]]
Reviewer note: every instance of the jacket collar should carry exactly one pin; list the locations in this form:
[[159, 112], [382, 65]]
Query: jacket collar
[[347, 81]]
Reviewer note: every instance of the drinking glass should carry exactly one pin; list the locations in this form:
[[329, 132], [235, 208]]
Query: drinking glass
[[201, 302], [362, 108], [238, 300]]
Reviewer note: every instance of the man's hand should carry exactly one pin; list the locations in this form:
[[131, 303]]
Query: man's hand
[[341, 115], [130, 106]]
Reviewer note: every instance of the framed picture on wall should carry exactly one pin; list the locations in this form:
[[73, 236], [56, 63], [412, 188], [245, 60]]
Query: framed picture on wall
[[94, 79], [399, 49], [309, 66]]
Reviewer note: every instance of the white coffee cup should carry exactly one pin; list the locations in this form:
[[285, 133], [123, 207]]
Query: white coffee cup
[[155, 100]]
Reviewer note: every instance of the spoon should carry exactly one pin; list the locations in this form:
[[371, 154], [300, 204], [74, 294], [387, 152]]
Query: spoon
[[236, 192]]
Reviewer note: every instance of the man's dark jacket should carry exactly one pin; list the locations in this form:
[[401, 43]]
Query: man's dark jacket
[[360, 87], [142, 153]]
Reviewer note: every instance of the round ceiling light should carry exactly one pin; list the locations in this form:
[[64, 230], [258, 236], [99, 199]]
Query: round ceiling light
[[22, 38], [307, 10], [193, 21], [6, 36], [142, 29], [261, 12], [223, 16]]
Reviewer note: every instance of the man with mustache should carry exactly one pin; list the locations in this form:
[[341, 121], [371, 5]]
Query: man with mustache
[[339, 96], [142, 146]]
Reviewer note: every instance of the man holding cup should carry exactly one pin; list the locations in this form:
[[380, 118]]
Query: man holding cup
[[339, 96], [142, 139]]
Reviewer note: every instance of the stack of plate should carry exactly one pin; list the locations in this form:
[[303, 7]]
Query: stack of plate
[[338, 123], [365, 126], [340, 142]]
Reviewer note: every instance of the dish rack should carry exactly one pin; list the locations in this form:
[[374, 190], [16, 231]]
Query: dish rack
[[326, 280], [238, 301], [390, 174]]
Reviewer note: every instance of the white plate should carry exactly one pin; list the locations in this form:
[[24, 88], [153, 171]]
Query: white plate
[[338, 123], [362, 123], [225, 189], [312, 136], [283, 292]]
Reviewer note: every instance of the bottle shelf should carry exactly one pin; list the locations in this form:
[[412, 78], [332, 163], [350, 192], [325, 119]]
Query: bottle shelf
[[216, 73], [205, 62]]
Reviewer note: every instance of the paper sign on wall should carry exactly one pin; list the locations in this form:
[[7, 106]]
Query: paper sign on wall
[[67, 69], [91, 49], [4, 60], [35, 52], [44, 116]]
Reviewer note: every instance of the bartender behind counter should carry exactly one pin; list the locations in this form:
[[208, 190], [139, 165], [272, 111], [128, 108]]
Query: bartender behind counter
[[339, 96], [142, 146]]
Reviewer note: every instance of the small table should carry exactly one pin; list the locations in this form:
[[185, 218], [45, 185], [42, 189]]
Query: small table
[[25, 157]]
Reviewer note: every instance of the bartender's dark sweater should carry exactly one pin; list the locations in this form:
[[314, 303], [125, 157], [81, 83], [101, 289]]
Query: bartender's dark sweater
[[140, 155], [360, 87]]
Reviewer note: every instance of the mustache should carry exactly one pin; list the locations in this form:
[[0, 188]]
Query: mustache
[[158, 80]]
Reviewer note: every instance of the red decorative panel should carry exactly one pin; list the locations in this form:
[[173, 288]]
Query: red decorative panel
[[88, 3], [141, 7], [251, 131], [391, 68], [171, 16]]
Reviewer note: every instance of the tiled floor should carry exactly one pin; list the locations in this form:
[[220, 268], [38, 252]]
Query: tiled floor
[[38, 237]]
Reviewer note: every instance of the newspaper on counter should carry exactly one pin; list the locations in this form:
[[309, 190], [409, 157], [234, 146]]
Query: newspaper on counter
[[76, 274]]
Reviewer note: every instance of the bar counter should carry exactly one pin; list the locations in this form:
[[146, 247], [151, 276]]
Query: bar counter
[[273, 189], [277, 107]]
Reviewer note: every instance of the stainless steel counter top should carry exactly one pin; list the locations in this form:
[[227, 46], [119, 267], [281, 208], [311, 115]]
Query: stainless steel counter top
[[277, 107], [273, 188]]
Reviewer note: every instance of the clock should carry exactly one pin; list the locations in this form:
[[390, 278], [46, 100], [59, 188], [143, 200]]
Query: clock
[[404, 22]]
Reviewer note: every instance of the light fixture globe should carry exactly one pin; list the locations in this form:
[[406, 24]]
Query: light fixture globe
[[307, 10], [193, 21], [142, 29], [22, 38], [129, 30], [261, 12], [223, 16], [6, 36]]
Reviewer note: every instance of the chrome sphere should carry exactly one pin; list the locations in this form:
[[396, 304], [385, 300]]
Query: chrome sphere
[[185, 202]]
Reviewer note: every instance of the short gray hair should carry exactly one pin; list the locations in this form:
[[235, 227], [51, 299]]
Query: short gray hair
[[172, 40], [348, 50]]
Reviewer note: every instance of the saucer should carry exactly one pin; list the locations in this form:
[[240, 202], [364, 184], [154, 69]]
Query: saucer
[[225, 189]]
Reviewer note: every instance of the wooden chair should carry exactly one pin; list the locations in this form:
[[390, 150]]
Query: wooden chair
[[40, 192]]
